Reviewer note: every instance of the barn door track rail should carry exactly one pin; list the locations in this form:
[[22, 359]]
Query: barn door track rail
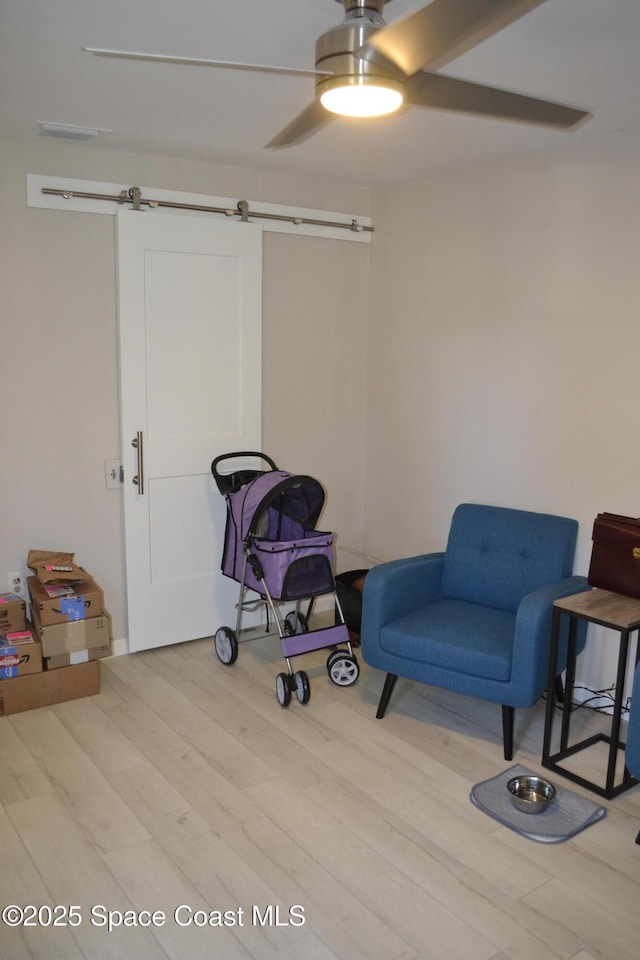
[[133, 195]]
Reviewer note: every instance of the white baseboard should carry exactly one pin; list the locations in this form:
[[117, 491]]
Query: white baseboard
[[323, 604], [120, 647]]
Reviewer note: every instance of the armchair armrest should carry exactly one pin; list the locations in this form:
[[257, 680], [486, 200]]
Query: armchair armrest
[[533, 634], [632, 753], [398, 587]]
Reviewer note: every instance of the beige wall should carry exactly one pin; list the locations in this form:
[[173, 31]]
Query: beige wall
[[315, 307], [59, 384], [503, 347], [498, 317]]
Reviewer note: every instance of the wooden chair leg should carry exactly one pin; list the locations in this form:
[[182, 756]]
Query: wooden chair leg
[[508, 717], [387, 690]]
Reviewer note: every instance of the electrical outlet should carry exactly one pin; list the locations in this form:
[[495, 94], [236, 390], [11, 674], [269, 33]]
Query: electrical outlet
[[16, 583]]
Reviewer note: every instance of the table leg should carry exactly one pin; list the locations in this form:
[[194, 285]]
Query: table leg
[[569, 683], [553, 657], [617, 708]]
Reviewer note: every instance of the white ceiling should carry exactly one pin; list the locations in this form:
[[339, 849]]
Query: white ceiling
[[580, 52]]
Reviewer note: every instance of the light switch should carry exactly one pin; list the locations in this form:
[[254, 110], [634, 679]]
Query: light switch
[[112, 474]]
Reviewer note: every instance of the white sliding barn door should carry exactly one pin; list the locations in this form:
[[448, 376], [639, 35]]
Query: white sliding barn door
[[189, 303]]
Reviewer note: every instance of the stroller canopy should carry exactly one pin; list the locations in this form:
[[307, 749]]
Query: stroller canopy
[[270, 536], [276, 505]]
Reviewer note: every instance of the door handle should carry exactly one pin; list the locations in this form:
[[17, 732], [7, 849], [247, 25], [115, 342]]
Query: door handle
[[139, 477]]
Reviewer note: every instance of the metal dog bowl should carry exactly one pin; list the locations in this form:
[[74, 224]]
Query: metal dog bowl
[[531, 794]]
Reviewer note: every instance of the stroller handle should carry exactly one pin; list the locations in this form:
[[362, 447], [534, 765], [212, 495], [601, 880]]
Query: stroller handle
[[229, 482]]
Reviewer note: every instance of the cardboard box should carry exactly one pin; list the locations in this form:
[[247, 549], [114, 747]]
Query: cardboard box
[[81, 601], [80, 656], [52, 566], [19, 659], [18, 636], [49, 687], [12, 613], [62, 638]]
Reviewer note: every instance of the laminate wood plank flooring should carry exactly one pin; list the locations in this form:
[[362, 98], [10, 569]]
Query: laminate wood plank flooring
[[212, 823]]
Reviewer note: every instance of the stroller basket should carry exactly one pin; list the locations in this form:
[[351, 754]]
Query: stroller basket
[[271, 547], [293, 569]]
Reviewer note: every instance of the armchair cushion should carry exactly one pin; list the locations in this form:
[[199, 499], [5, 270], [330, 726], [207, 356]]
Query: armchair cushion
[[453, 628]]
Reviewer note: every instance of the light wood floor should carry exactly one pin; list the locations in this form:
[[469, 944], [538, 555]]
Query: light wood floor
[[185, 784]]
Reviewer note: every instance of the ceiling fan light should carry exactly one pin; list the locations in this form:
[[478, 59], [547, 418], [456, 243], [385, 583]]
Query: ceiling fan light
[[362, 96]]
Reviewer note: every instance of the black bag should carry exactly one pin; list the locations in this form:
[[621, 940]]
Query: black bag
[[615, 554], [349, 588]]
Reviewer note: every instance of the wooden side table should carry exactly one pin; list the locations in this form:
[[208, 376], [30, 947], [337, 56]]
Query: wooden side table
[[616, 612]]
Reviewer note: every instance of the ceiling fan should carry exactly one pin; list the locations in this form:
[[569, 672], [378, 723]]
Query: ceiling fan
[[365, 68]]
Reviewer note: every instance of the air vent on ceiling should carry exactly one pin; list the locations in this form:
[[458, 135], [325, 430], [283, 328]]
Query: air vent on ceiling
[[68, 131]]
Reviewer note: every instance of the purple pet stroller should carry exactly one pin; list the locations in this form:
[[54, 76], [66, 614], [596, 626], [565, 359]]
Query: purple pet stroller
[[271, 547]]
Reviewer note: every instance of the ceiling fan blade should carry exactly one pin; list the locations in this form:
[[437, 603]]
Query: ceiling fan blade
[[196, 62], [447, 93], [443, 30], [312, 119]]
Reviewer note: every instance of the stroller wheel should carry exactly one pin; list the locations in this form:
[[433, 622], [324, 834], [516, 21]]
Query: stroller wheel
[[303, 690], [226, 646], [283, 689], [332, 656], [343, 669], [295, 623]]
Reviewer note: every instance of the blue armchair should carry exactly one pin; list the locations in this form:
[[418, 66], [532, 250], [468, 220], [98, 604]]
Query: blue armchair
[[475, 619], [632, 751]]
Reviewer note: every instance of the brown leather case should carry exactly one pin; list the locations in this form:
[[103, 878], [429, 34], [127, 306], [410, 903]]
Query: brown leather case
[[615, 554]]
